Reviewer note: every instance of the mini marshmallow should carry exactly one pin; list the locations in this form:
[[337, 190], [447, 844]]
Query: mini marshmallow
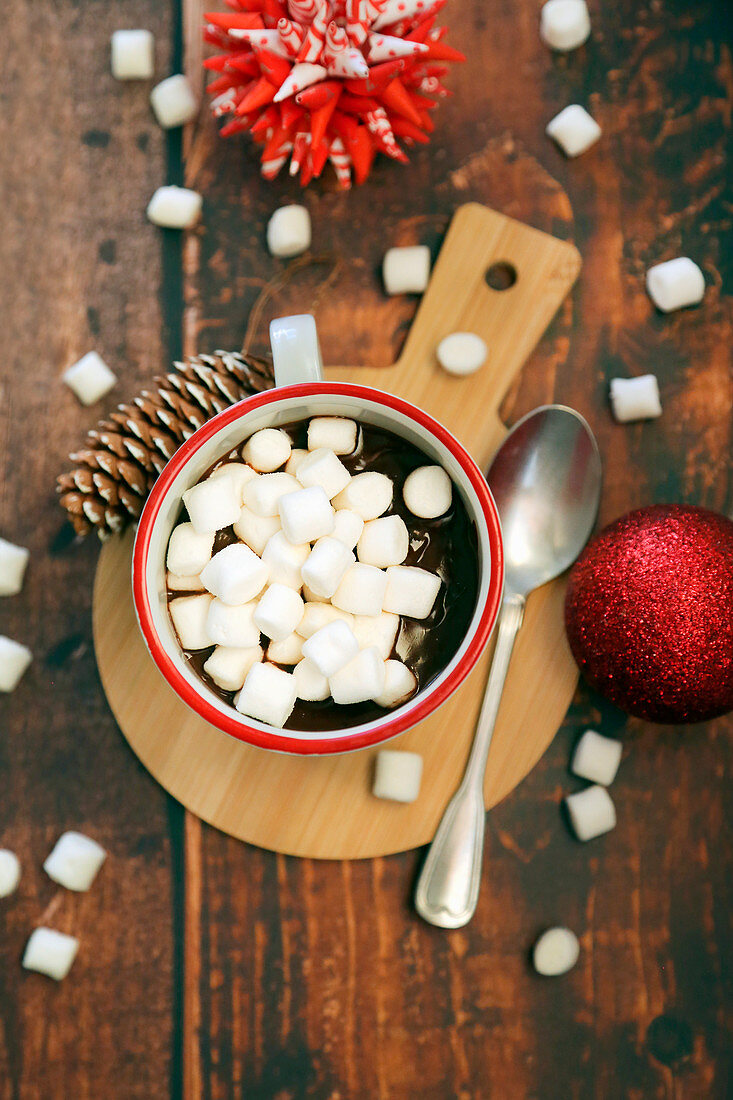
[[591, 812], [13, 562], [306, 515], [597, 758], [213, 504], [268, 695], [238, 472], [173, 101], [189, 552], [288, 651], [174, 207], [564, 24], [461, 353], [310, 684], [267, 450], [397, 775], [428, 492], [383, 542], [50, 952], [14, 660], [377, 630], [362, 590], [190, 615], [555, 952], [262, 495], [410, 591], [90, 378], [256, 530], [289, 231], [293, 464], [228, 666], [133, 55], [9, 872], [279, 612], [317, 615], [74, 861], [335, 433], [368, 494], [232, 625], [574, 130], [347, 527], [675, 284], [236, 575], [331, 647], [406, 270], [285, 561], [326, 565], [322, 467], [177, 583], [361, 679], [399, 685], [635, 398]]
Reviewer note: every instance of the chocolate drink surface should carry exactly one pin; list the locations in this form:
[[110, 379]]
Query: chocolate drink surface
[[446, 546]]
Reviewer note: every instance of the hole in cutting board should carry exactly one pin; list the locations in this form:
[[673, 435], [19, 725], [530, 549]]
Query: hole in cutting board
[[501, 275]]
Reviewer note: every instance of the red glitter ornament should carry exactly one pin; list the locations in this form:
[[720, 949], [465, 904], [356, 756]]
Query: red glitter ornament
[[315, 81], [649, 613]]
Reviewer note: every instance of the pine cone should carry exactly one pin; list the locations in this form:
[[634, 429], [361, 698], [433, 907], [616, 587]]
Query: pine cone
[[122, 457]]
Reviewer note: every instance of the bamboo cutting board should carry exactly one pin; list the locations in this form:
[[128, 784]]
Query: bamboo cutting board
[[322, 806]]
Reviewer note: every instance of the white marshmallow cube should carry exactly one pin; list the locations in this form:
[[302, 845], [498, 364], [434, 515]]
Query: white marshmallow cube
[[368, 494], [406, 270], [361, 679], [189, 552], [326, 565], [262, 494], [236, 575], [428, 492], [564, 24], [177, 583], [289, 231], [239, 473], [14, 660], [397, 775], [232, 625], [317, 615], [13, 562], [461, 353], [74, 861], [279, 611], [383, 542], [50, 952], [267, 450], [331, 647], [256, 530], [574, 130], [310, 684], [555, 952], [228, 666], [335, 433], [597, 758], [410, 591], [347, 527], [591, 812], [174, 207], [306, 515], [377, 630], [362, 590], [268, 695], [90, 378], [323, 467], [296, 457], [675, 284], [399, 684], [9, 872], [190, 616], [212, 505], [288, 651], [635, 398], [285, 561], [133, 55], [173, 101]]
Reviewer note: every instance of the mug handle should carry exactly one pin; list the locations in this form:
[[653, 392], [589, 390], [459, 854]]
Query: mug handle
[[296, 352]]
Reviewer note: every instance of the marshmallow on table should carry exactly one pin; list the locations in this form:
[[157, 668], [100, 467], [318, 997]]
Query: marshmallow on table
[[177, 583], [50, 952], [279, 612], [173, 101], [310, 684], [262, 494], [368, 494], [14, 660], [376, 630], [675, 284], [236, 575], [336, 433], [132, 55], [288, 651], [232, 625], [397, 775], [317, 615], [293, 464], [361, 591], [90, 378], [347, 527], [305, 515], [406, 270], [564, 24], [326, 565], [410, 591], [361, 679], [331, 647], [635, 398], [188, 552], [190, 615], [289, 231], [323, 467], [268, 695], [9, 872], [228, 665], [13, 562], [400, 683], [574, 130], [174, 207], [428, 492], [285, 560], [383, 542], [213, 504], [74, 861], [555, 952], [267, 450], [591, 812], [256, 530], [597, 758], [461, 353]]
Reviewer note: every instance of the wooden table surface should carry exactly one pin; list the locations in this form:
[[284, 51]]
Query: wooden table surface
[[211, 969]]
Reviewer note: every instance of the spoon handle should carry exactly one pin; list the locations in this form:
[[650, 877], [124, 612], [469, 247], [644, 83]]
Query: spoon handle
[[448, 886]]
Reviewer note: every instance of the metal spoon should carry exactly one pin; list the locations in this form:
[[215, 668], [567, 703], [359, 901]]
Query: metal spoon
[[546, 481]]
